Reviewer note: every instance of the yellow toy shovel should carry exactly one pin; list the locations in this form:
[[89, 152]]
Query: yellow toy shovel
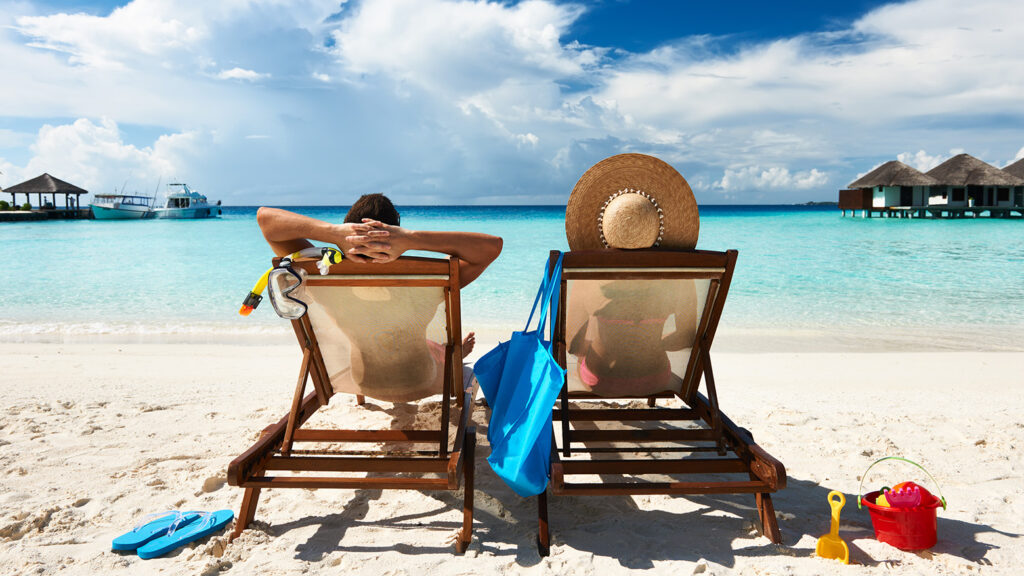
[[831, 545]]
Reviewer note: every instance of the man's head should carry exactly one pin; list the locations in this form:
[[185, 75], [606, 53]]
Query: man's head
[[375, 206]]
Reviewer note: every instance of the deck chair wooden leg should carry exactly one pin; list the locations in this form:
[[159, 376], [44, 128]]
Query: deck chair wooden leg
[[769, 524], [543, 535], [469, 450], [360, 399], [246, 513], [716, 414], [566, 429], [293, 415]]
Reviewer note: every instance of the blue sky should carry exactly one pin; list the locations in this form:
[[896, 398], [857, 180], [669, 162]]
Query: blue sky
[[639, 26], [447, 101]]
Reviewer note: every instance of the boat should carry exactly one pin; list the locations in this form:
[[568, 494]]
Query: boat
[[185, 203], [121, 207]]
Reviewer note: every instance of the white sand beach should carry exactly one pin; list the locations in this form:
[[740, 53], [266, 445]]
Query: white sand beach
[[93, 437]]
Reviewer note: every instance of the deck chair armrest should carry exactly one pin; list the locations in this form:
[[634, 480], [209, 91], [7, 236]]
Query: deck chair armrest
[[468, 399], [455, 459], [762, 464]]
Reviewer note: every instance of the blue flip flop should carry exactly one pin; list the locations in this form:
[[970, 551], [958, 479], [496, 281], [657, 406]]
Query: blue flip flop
[[208, 523], [153, 526]]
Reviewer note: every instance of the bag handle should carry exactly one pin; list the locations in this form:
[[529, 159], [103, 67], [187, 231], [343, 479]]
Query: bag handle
[[541, 292], [547, 286], [555, 290], [551, 284]]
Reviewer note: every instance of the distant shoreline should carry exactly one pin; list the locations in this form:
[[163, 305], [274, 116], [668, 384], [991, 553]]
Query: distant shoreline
[[490, 331]]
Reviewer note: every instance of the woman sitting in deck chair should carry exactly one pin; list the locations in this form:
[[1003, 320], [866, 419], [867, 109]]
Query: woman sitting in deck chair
[[617, 328]]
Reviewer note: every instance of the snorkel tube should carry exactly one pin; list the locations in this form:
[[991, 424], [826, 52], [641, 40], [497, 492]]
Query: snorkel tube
[[254, 298], [327, 257]]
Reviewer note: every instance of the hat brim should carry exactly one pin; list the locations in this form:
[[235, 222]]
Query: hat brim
[[638, 172]]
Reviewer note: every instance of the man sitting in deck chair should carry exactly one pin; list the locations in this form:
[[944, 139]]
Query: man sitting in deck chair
[[391, 332], [371, 234]]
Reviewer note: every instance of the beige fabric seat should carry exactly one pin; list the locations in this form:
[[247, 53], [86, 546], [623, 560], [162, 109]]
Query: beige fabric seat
[[631, 338]]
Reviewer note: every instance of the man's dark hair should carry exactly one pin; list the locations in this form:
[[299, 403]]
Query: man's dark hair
[[376, 206]]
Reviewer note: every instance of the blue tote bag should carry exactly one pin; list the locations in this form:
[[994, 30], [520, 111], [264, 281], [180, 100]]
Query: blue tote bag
[[521, 380]]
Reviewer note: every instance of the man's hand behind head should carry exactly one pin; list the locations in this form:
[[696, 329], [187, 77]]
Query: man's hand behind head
[[374, 241]]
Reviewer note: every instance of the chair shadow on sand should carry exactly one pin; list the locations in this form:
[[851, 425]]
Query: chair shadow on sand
[[724, 526], [330, 535]]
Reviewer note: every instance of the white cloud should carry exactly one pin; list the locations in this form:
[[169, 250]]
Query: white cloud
[[504, 61], [1020, 154], [921, 160], [773, 178], [164, 29], [528, 138], [461, 48], [241, 74], [94, 156]]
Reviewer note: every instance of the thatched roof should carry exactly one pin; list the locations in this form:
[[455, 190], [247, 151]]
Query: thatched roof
[[966, 170], [45, 184], [1017, 168], [893, 173]]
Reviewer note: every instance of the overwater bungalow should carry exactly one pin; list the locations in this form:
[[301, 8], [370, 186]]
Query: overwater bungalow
[[961, 186], [1017, 169], [966, 181], [891, 184]]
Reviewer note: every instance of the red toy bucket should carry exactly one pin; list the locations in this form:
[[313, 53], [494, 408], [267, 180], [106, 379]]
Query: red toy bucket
[[905, 528]]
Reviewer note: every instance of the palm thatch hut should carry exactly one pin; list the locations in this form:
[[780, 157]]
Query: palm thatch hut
[[1017, 169], [967, 181], [46, 185], [892, 184]]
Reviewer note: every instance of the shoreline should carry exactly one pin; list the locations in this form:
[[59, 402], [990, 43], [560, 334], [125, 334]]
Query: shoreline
[[815, 339]]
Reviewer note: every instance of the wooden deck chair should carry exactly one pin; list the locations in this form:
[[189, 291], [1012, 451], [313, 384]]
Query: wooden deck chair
[[385, 331], [640, 325]]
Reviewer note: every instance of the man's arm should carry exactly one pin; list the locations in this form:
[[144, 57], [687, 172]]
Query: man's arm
[[474, 250], [288, 232]]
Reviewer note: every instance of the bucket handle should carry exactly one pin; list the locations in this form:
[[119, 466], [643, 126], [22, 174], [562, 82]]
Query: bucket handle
[[865, 475]]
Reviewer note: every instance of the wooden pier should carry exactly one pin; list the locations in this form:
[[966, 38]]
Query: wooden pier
[[936, 211], [45, 214]]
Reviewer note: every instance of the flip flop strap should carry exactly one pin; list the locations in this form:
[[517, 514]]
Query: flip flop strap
[[205, 522], [158, 516]]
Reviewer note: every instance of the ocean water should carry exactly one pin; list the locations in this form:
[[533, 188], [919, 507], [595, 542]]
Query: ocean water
[[806, 277]]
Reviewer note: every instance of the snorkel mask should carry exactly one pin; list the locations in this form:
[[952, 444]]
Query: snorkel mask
[[283, 281]]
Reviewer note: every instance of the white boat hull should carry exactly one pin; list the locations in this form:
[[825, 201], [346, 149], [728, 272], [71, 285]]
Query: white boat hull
[[123, 212], [188, 213]]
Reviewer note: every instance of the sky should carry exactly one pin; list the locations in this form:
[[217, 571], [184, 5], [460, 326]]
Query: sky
[[310, 102]]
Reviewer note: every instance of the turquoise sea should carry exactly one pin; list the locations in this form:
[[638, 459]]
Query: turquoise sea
[[806, 278]]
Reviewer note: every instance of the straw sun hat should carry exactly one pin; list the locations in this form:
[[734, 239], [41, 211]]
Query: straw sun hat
[[631, 201]]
